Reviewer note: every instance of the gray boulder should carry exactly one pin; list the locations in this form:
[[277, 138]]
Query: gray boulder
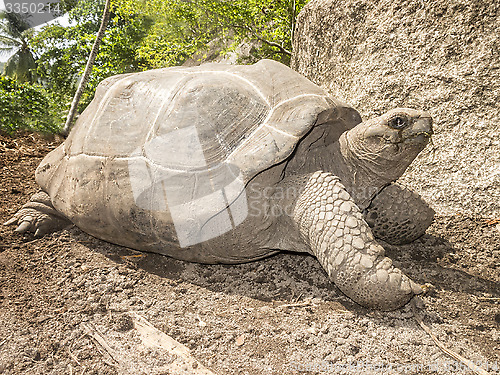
[[442, 56]]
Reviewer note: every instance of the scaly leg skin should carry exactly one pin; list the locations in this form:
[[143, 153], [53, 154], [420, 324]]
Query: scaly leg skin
[[39, 216], [398, 215], [334, 227]]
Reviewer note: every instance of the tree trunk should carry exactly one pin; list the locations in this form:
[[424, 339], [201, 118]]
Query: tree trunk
[[88, 70]]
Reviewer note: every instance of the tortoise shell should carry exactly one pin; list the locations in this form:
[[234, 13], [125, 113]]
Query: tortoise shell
[[151, 147]]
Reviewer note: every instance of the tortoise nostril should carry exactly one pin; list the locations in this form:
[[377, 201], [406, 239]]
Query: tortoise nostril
[[423, 125]]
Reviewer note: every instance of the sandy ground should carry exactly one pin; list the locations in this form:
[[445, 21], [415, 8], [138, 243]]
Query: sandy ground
[[276, 316]]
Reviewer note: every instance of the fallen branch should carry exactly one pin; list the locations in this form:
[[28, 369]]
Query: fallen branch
[[471, 365], [94, 334], [152, 337]]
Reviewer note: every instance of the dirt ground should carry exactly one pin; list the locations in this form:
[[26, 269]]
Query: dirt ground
[[280, 315]]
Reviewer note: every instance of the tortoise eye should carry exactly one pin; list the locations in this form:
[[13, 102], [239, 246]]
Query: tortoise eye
[[398, 122]]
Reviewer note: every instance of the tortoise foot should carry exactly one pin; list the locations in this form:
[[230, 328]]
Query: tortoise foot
[[38, 216], [398, 215]]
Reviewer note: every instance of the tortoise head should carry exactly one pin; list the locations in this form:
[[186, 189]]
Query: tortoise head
[[385, 146]]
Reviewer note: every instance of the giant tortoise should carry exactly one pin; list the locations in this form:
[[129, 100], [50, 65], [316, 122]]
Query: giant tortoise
[[228, 164]]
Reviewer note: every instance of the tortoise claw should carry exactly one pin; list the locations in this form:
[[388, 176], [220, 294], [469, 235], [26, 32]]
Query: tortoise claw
[[39, 216], [10, 221], [42, 230], [24, 226]]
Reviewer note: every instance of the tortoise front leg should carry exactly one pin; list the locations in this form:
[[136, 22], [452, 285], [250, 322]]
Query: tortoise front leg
[[333, 226], [39, 216], [398, 216]]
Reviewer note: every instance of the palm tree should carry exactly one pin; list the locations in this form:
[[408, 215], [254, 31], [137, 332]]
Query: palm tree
[[15, 34]]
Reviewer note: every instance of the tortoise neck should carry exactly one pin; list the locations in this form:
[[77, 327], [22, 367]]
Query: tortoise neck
[[359, 177]]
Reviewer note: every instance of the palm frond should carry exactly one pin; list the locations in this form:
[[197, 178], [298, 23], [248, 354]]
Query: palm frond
[[8, 41], [14, 41], [7, 51], [21, 66], [14, 24]]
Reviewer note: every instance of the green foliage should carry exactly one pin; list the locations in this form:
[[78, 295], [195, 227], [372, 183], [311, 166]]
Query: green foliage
[[63, 51], [141, 34], [184, 28], [25, 106]]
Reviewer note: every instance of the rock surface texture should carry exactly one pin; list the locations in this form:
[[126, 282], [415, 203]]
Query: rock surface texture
[[440, 56]]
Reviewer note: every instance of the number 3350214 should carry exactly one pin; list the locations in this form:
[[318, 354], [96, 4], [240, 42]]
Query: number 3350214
[[32, 7]]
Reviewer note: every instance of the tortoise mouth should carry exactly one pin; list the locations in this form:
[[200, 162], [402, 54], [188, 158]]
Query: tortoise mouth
[[411, 142], [418, 137]]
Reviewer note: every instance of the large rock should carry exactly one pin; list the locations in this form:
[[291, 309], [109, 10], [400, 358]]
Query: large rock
[[442, 56]]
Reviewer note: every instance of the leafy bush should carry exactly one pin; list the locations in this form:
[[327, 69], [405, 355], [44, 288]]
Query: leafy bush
[[183, 29], [63, 51], [25, 106]]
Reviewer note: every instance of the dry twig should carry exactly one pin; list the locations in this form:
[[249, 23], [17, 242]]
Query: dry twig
[[133, 256], [492, 221], [153, 337], [297, 304], [94, 334], [73, 357], [4, 341], [471, 365]]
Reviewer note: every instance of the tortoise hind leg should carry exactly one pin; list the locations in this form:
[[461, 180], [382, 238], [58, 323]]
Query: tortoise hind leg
[[39, 216], [398, 216]]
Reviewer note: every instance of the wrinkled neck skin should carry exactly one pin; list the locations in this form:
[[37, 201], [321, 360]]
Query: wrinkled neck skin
[[361, 172]]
